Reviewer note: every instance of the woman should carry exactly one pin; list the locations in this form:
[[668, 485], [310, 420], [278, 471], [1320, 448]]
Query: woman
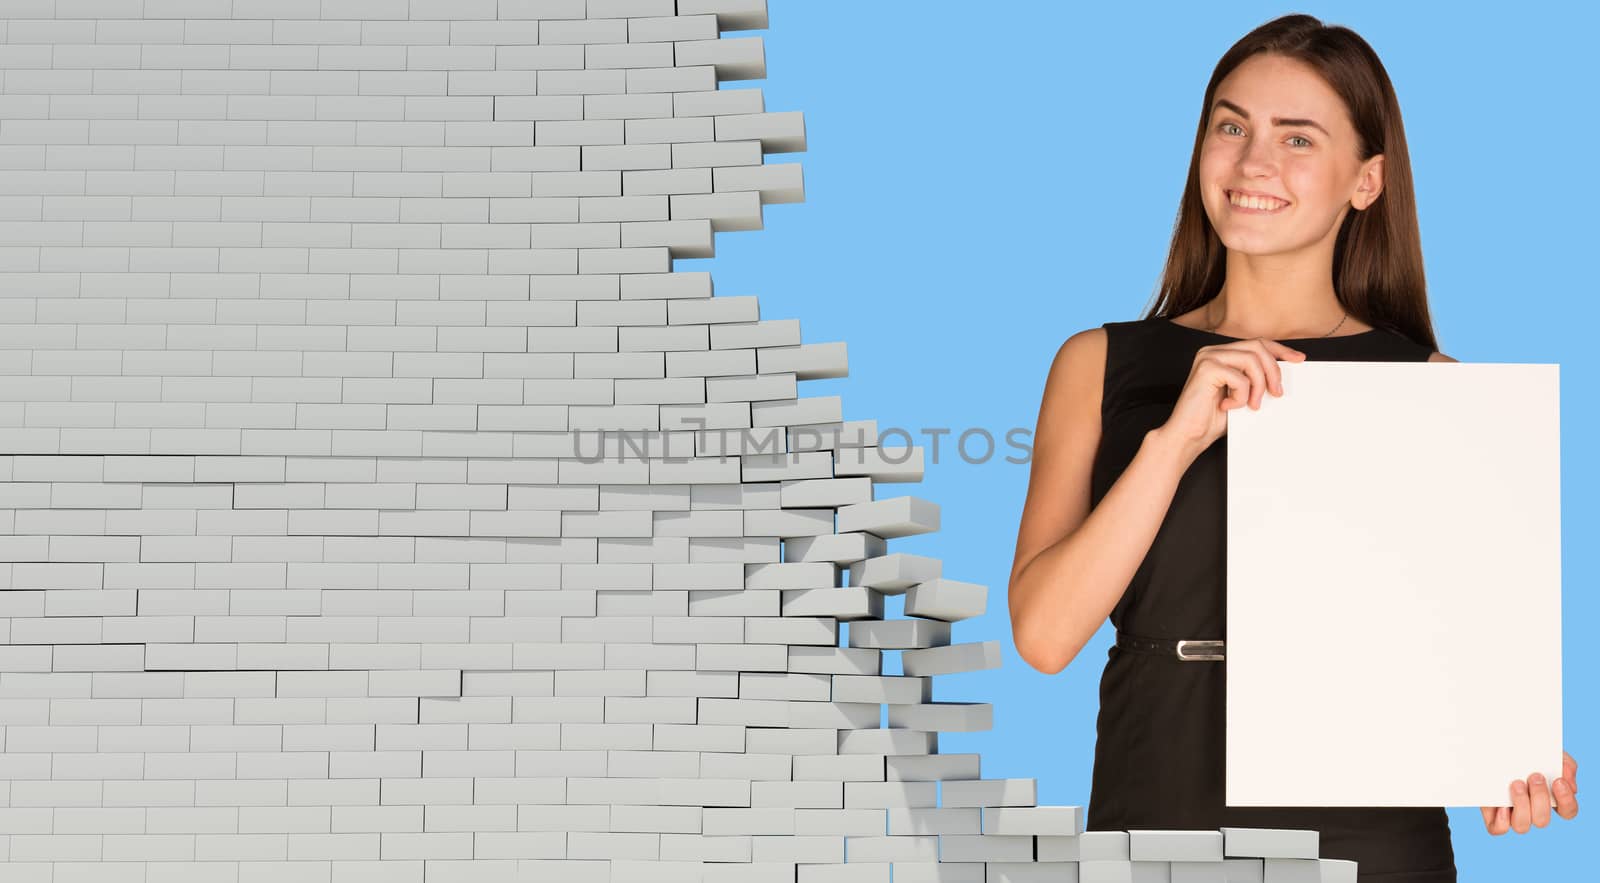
[[1296, 238]]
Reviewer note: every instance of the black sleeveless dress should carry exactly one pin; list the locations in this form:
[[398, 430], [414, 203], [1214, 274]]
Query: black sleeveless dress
[[1159, 750]]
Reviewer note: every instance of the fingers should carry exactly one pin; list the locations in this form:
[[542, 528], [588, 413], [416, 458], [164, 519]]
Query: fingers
[[1241, 371], [1268, 352], [1245, 377], [1263, 371], [1539, 800], [1566, 802], [1235, 384], [1530, 802], [1521, 814], [1566, 788], [1258, 359], [1280, 351]]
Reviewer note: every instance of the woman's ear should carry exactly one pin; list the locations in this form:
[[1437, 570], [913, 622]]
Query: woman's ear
[[1370, 183]]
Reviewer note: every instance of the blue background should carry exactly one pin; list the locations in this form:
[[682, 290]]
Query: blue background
[[982, 184]]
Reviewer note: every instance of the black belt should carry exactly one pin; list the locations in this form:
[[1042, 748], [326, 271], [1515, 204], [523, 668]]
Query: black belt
[[1185, 650]]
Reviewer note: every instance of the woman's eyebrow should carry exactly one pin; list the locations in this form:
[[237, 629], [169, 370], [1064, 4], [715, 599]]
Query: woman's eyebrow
[[1276, 121]]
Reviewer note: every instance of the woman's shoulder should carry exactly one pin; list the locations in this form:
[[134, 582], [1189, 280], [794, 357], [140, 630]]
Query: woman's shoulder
[[1082, 351], [1100, 356], [1107, 342], [1126, 337], [1114, 331], [1119, 341]]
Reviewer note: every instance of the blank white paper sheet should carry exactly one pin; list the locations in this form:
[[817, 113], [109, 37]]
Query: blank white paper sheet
[[1394, 585]]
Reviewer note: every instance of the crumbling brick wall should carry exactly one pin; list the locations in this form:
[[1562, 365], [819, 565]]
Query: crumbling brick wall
[[378, 499]]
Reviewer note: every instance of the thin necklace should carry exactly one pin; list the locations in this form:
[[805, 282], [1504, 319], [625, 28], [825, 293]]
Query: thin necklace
[[1343, 316]]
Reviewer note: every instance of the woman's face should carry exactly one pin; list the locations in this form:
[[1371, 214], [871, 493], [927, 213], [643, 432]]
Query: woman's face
[[1275, 128]]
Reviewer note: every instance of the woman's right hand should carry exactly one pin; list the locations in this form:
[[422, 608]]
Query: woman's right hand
[[1225, 376]]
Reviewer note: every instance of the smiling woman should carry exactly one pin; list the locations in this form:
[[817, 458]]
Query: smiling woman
[[1296, 238]]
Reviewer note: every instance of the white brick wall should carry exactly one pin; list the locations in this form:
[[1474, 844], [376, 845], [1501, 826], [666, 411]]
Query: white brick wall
[[306, 574]]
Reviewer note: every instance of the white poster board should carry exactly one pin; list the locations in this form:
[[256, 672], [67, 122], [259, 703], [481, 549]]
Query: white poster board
[[1394, 585]]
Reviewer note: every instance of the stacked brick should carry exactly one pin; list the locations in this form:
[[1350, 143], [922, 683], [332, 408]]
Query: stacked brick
[[378, 500]]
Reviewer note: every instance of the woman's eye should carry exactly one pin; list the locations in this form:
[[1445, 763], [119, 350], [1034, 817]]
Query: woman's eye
[[1225, 127]]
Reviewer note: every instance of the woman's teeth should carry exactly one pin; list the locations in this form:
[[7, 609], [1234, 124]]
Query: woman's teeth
[[1264, 203]]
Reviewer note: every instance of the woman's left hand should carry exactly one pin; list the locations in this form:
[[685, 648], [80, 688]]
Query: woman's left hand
[[1530, 801]]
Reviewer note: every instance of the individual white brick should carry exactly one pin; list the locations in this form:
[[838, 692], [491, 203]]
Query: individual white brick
[[1052, 821], [839, 603], [1108, 871], [1270, 843], [1292, 870], [946, 600], [890, 795], [1244, 870], [1104, 845], [276, 9], [96, 56], [731, 14], [776, 183], [836, 548], [894, 573], [897, 464], [361, 58], [943, 716], [190, 57], [110, 107], [973, 656], [898, 634], [215, 31], [667, 27], [1175, 846], [1032, 872], [1199, 872], [44, 131], [317, 33], [889, 518], [1335, 870], [807, 361], [988, 792], [453, 9], [985, 848], [601, 56], [365, 9]]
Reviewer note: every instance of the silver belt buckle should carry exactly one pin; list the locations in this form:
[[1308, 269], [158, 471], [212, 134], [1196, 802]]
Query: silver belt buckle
[[1215, 646]]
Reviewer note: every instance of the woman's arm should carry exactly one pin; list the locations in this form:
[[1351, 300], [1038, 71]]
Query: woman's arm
[[1072, 564]]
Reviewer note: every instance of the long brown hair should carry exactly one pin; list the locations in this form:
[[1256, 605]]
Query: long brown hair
[[1377, 255]]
